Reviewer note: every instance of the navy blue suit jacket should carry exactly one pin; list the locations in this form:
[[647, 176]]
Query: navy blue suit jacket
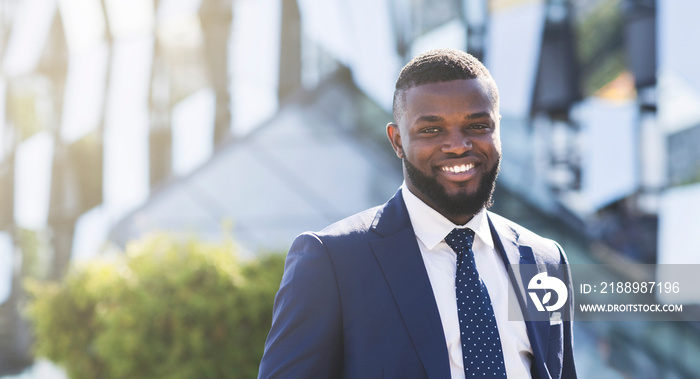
[[355, 302]]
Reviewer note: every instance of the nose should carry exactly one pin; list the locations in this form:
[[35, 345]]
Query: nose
[[456, 143]]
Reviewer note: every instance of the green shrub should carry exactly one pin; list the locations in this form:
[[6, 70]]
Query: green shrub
[[167, 308]]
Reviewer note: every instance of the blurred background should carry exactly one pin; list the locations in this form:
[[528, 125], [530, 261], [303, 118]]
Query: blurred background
[[261, 119]]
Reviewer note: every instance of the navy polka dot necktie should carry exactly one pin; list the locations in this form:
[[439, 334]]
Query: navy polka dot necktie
[[481, 343]]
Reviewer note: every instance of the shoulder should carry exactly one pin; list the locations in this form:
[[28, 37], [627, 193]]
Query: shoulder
[[345, 232], [360, 222], [522, 236]]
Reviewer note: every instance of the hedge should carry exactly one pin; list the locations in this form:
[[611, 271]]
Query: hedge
[[167, 308]]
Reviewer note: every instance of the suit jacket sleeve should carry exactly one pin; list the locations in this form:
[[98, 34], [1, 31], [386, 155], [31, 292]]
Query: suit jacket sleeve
[[305, 339], [568, 366]]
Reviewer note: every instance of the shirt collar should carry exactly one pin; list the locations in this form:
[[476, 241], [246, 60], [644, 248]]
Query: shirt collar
[[431, 227]]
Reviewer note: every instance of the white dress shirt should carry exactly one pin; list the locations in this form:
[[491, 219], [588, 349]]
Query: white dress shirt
[[440, 261]]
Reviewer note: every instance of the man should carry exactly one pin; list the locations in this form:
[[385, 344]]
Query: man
[[418, 287]]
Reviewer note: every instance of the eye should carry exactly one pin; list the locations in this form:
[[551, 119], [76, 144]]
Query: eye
[[477, 128], [430, 130]]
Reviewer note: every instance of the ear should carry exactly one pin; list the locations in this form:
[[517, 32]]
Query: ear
[[392, 131]]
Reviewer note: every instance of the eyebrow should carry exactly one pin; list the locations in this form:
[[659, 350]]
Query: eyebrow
[[477, 115], [472, 116], [429, 119]]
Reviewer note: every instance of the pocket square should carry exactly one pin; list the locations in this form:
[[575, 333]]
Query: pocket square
[[555, 318]]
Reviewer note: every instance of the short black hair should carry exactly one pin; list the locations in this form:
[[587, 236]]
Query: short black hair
[[440, 65]]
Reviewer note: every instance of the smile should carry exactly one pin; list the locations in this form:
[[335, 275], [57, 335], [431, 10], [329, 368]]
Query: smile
[[457, 169]]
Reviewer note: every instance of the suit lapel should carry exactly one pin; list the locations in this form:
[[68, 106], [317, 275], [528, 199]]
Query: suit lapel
[[506, 242], [399, 256]]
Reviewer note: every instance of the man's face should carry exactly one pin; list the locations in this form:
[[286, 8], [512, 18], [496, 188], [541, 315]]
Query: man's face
[[448, 136]]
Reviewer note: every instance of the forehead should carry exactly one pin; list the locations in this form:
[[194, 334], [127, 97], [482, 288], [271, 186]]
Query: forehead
[[464, 95]]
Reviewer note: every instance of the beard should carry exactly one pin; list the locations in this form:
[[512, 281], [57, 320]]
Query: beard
[[460, 203]]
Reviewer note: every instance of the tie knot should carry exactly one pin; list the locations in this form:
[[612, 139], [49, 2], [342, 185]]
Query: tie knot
[[460, 239]]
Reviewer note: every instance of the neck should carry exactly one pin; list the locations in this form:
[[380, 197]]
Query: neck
[[457, 219]]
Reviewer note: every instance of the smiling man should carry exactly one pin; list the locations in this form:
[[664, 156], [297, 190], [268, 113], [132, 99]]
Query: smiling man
[[449, 143], [419, 287]]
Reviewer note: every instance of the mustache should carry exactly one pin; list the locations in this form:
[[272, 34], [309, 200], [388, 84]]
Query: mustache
[[465, 154]]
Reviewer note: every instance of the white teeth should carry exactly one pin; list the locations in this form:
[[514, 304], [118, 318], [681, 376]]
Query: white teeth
[[458, 169]]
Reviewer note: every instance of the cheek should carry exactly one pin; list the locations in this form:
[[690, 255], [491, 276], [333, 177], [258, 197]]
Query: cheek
[[491, 146], [418, 157], [497, 147], [497, 140]]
